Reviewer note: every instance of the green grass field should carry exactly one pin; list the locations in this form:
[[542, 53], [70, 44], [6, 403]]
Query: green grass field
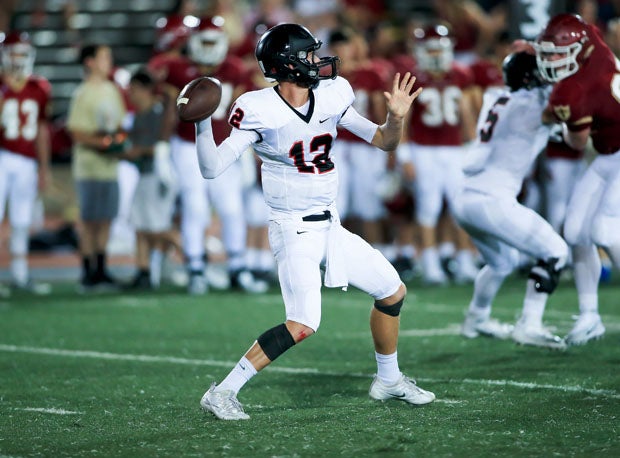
[[122, 375]]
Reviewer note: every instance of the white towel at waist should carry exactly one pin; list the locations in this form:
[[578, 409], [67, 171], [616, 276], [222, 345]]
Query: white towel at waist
[[335, 265]]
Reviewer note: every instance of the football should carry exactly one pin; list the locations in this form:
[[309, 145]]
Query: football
[[199, 99]]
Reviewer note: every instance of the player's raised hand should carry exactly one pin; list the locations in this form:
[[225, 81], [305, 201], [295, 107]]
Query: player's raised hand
[[400, 99]]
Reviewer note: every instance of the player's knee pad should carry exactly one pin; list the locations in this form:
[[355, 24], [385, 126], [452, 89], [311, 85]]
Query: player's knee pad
[[276, 341], [391, 310], [18, 244], [546, 275]]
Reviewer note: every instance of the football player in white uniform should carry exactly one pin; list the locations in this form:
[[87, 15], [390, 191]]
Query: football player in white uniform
[[292, 127], [510, 137]]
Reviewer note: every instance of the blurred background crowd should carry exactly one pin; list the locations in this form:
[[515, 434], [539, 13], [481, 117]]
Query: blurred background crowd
[[148, 49]]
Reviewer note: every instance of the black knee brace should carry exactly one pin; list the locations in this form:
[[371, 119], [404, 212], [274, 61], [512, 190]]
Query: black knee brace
[[276, 341], [392, 310], [546, 277]]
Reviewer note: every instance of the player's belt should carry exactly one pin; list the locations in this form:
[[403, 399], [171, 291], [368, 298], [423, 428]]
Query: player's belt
[[318, 217]]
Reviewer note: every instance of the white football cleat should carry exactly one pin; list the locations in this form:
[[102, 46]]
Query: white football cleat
[[33, 287], [404, 390], [434, 277], [587, 327], [197, 285], [223, 404], [244, 280], [466, 271], [536, 335], [476, 325]]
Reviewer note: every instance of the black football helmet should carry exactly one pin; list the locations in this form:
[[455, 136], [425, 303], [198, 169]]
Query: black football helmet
[[282, 54], [521, 71]]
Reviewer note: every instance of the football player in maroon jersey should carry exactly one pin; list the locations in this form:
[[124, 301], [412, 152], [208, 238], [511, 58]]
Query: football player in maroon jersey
[[586, 100], [208, 56], [443, 121], [24, 148], [208, 48], [362, 166]]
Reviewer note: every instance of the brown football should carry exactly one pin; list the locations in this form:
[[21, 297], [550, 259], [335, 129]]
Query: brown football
[[199, 99]]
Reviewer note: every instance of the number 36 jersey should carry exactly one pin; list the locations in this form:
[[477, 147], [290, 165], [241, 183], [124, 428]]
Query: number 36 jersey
[[298, 174]]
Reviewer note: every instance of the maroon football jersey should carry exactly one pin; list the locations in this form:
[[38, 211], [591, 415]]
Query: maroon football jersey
[[404, 63], [591, 97], [21, 113], [436, 118], [177, 71], [365, 80], [233, 74]]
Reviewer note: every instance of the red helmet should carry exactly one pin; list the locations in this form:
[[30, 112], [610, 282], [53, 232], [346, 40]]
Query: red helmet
[[434, 47], [17, 53], [208, 44], [172, 32], [562, 47]]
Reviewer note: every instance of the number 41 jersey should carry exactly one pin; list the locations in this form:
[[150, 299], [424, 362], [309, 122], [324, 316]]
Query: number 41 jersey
[[298, 174]]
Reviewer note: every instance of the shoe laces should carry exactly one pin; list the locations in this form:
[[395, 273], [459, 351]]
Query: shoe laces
[[410, 383], [228, 402]]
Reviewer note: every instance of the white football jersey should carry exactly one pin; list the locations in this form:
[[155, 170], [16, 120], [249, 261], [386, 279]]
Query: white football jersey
[[510, 137], [298, 174]]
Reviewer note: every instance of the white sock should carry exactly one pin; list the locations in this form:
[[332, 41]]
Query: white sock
[[533, 305], [19, 270], [465, 258], [430, 260], [387, 368], [266, 260], [587, 269], [239, 376], [486, 285], [389, 251], [408, 251], [155, 267], [446, 250], [251, 258]]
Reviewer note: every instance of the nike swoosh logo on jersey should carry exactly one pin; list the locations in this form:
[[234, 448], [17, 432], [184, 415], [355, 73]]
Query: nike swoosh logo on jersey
[[321, 121], [301, 232]]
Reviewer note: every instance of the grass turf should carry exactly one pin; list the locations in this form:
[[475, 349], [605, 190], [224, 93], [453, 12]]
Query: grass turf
[[122, 374]]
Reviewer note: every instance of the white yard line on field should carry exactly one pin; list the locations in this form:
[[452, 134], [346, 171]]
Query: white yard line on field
[[51, 410], [292, 370]]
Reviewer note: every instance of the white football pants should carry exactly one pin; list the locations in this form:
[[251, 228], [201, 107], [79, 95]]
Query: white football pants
[[500, 227], [300, 249], [224, 193]]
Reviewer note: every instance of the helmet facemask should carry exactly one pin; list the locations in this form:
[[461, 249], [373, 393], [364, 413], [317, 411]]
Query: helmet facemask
[[435, 54], [307, 71], [18, 59], [208, 47], [557, 62]]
